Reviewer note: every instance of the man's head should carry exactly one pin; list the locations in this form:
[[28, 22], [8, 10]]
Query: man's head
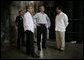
[[41, 8], [58, 9], [21, 12], [30, 9]]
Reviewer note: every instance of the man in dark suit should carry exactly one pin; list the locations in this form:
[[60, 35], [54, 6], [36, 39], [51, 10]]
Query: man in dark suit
[[19, 24]]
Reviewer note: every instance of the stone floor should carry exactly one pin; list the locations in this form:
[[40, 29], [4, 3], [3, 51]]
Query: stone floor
[[72, 51]]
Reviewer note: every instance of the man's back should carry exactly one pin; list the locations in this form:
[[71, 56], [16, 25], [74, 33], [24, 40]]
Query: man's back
[[19, 20]]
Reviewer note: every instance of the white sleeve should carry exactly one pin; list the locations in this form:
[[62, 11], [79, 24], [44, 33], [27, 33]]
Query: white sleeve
[[25, 23], [48, 21], [34, 22], [35, 18], [55, 22], [66, 20]]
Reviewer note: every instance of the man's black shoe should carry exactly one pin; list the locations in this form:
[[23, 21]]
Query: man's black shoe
[[60, 50]]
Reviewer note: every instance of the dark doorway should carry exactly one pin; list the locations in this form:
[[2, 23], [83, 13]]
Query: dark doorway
[[73, 9]]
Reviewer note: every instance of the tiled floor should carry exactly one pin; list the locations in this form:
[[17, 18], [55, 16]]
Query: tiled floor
[[72, 51]]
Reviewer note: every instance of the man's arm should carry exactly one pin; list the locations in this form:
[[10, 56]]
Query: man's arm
[[25, 23], [66, 20], [48, 21], [34, 22], [35, 17]]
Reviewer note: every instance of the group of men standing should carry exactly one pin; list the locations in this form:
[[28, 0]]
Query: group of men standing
[[26, 23]]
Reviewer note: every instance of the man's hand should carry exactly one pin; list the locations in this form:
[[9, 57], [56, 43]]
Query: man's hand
[[38, 25], [16, 24]]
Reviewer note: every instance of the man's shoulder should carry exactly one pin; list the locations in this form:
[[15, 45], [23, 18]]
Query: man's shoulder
[[37, 14], [27, 13], [18, 16], [45, 14], [64, 14]]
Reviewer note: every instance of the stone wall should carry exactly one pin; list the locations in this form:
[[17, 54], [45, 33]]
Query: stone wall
[[9, 12]]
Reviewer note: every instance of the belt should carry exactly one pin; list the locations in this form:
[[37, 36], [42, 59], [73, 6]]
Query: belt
[[41, 24]]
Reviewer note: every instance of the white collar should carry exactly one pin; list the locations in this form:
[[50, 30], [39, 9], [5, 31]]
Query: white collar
[[28, 12], [42, 13], [60, 13]]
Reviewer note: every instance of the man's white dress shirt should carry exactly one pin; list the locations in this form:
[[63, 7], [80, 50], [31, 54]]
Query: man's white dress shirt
[[28, 22], [61, 22], [42, 18]]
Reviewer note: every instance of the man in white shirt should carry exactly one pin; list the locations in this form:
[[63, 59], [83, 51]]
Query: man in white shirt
[[42, 22], [61, 22], [29, 29]]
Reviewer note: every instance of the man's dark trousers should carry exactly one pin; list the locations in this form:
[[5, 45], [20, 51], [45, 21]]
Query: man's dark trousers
[[29, 43], [20, 36], [41, 30]]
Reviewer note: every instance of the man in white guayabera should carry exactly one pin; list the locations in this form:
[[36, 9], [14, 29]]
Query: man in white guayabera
[[61, 22]]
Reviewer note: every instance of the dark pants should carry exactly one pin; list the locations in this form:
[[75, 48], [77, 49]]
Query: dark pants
[[29, 42], [41, 30], [20, 36]]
